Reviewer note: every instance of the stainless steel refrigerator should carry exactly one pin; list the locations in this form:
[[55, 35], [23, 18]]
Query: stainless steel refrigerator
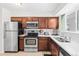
[[10, 36]]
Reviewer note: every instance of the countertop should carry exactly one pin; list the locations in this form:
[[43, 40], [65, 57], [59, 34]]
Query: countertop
[[70, 47]]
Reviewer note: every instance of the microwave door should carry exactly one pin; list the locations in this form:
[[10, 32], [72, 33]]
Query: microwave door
[[32, 25]]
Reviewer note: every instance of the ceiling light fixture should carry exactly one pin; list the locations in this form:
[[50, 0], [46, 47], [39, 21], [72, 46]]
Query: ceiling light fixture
[[19, 4]]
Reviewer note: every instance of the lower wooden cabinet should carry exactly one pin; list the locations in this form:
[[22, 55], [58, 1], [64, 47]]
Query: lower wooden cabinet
[[21, 44], [47, 44], [42, 44], [53, 48]]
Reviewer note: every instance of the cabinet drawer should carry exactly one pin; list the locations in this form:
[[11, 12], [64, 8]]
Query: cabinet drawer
[[42, 38]]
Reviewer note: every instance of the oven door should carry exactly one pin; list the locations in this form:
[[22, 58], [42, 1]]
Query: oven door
[[30, 42]]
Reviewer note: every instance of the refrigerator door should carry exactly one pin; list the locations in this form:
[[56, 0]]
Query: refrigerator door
[[14, 41], [11, 41], [11, 26], [7, 41]]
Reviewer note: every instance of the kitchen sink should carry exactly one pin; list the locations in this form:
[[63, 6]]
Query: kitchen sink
[[60, 39]]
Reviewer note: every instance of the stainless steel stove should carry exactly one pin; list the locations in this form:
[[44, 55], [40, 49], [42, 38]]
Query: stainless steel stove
[[31, 41]]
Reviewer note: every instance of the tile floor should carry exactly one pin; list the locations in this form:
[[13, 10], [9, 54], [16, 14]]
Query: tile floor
[[25, 54]]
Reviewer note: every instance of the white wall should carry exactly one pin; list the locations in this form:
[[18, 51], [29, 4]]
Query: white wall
[[1, 31], [6, 14], [26, 13]]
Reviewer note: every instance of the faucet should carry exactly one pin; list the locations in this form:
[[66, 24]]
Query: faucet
[[67, 39]]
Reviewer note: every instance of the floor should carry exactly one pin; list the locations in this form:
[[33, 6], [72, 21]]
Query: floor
[[25, 54]]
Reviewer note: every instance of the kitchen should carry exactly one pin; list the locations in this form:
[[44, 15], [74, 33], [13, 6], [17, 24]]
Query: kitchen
[[27, 31]]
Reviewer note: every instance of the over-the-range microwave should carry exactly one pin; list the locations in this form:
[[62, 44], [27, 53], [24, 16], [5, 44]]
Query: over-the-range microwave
[[32, 25]]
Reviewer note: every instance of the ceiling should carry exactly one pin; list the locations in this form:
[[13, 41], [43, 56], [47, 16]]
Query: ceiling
[[34, 7]]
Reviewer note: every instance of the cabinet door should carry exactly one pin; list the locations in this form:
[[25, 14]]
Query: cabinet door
[[16, 19], [49, 44], [29, 19], [21, 44], [53, 23], [53, 48], [42, 22], [24, 20], [35, 19], [42, 44]]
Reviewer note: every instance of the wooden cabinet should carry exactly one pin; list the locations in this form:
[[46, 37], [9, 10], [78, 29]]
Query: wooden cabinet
[[35, 19], [42, 44], [16, 19], [53, 22], [53, 48], [24, 19], [42, 22], [47, 44], [21, 44]]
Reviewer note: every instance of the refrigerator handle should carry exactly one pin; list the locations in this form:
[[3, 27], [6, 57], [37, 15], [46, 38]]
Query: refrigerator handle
[[4, 34]]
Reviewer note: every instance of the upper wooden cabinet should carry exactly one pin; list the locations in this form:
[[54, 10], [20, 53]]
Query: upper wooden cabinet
[[24, 19], [53, 22], [16, 19], [29, 19], [42, 22], [35, 18]]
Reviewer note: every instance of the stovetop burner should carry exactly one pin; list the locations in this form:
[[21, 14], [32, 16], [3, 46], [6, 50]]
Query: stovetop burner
[[30, 37]]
